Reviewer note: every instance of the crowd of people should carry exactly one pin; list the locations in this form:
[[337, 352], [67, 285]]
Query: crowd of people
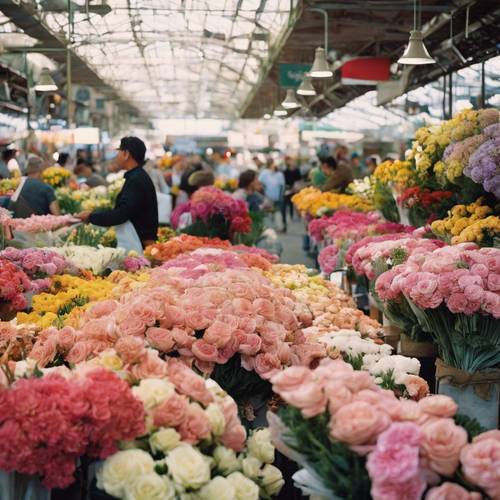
[[267, 184]]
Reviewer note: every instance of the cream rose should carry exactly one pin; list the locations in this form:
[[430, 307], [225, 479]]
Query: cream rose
[[251, 466], [111, 360], [226, 460], [260, 446], [246, 489], [164, 440], [150, 487], [121, 469], [216, 419], [153, 391], [272, 479], [219, 488], [188, 467]]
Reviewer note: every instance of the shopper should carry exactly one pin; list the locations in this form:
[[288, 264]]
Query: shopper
[[371, 164], [292, 176], [136, 210], [338, 176], [33, 196], [357, 168], [88, 174], [9, 158], [4, 171], [273, 182], [248, 190]]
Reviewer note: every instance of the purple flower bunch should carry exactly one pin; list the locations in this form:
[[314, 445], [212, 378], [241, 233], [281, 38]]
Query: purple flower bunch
[[484, 163], [35, 262]]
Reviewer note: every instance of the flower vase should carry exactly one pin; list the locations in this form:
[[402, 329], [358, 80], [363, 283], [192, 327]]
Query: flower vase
[[16, 486], [426, 353], [6, 313], [477, 394]]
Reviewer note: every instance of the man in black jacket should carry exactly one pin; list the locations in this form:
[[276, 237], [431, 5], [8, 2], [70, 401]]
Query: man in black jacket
[[137, 199]]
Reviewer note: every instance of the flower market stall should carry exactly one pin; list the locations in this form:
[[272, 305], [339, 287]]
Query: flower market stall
[[208, 369]]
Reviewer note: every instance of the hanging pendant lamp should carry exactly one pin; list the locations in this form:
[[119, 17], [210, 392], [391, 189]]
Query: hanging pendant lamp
[[290, 102], [280, 111], [45, 82], [416, 52], [306, 87], [320, 68]]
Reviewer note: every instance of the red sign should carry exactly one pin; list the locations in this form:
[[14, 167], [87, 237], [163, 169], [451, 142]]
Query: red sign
[[365, 71]]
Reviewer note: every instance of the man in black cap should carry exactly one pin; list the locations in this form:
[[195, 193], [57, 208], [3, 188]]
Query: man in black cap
[[137, 200]]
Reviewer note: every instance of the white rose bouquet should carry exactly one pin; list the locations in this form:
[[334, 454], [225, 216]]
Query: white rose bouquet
[[195, 447]]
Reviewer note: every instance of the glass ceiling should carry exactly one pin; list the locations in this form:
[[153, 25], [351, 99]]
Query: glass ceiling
[[179, 58]]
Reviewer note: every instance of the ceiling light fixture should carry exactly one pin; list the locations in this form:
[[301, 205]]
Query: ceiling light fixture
[[306, 87], [45, 82], [416, 52], [267, 116], [320, 68], [280, 111], [290, 102]]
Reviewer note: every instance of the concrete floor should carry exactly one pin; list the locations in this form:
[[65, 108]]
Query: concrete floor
[[292, 244]]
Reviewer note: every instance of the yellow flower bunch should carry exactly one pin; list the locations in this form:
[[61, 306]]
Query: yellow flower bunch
[[316, 203], [8, 186], [164, 234], [67, 293], [396, 172], [468, 223], [55, 176]]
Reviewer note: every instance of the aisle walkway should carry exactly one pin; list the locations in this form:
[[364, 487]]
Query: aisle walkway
[[292, 244]]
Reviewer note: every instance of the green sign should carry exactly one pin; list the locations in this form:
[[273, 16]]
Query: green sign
[[291, 75]]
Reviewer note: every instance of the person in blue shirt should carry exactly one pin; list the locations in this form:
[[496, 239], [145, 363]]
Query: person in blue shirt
[[273, 182]]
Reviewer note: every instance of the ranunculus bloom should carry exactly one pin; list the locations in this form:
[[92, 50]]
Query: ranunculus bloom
[[160, 338], [218, 334], [358, 423], [408, 490], [291, 379], [131, 349], [171, 412], [442, 442], [438, 405], [205, 351], [481, 463], [451, 491], [195, 425]]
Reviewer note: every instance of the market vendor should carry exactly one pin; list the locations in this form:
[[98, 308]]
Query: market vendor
[[135, 215], [33, 196], [338, 175]]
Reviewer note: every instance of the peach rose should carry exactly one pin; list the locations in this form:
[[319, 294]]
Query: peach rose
[[151, 366], [358, 423], [481, 463], [133, 325], [247, 324], [358, 381], [305, 354], [416, 386], [242, 307], [264, 308], [66, 337], [171, 412], [205, 367], [182, 338], [102, 329], [196, 320], [80, 352], [187, 382], [218, 334], [131, 349], [249, 344], [291, 379], [442, 441], [173, 316], [195, 425], [451, 491], [266, 365], [160, 338], [438, 405], [338, 395], [227, 352], [101, 309], [204, 351], [272, 332], [308, 397], [287, 317], [234, 437], [44, 352]]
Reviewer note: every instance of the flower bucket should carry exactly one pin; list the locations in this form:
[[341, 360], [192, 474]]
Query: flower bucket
[[392, 335], [15, 486], [426, 353], [477, 394]]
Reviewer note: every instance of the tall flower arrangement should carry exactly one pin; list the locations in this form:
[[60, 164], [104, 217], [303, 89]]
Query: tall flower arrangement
[[454, 293], [214, 213]]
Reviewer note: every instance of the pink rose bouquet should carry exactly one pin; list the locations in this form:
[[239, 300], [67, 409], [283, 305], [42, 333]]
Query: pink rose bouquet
[[134, 263], [360, 440], [454, 294], [214, 213], [36, 262], [42, 223], [47, 423]]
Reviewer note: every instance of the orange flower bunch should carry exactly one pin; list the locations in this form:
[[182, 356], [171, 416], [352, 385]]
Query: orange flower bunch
[[162, 252]]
